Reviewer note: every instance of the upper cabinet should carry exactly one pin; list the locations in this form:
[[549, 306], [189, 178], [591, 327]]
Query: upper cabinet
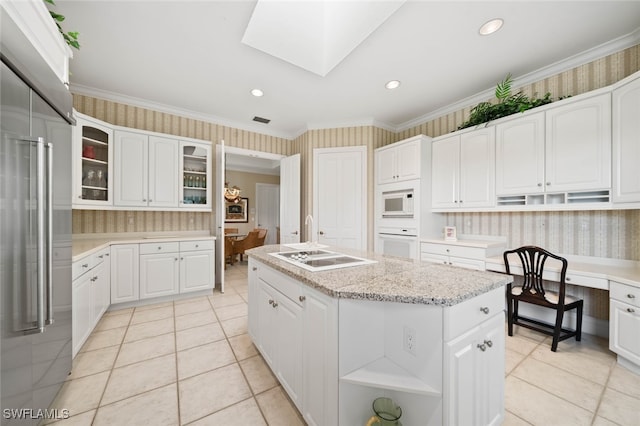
[[399, 162], [120, 168], [626, 142], [92, 163], [463, 170]]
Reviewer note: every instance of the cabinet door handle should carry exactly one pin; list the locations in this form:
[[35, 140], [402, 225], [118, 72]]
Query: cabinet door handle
[[450, 263], [275, 304], [489, 343], [539, 183], [548, 183], [85, 265], [159, 248], [321, 232], [106, 254], [176, 259], [302, 298], [271, 301], [295, 232], [445, 262], [144, 200], [485, 310], [630, 310], [182, 258], [631, 296], [197, 246], [101, 256], [255, 268], [482, 347]]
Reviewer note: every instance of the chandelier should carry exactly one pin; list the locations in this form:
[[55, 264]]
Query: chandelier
[[232, 194]]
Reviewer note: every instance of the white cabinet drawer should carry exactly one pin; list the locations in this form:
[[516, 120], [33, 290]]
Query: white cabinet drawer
[[625, 293], [453, 250], [153, 248], [81, 266], [284, 284], [100, 256], [196, 245], [434, 258], [468, 314]]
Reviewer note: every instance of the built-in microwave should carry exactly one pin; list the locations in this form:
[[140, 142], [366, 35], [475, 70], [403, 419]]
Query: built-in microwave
[[397, 203]]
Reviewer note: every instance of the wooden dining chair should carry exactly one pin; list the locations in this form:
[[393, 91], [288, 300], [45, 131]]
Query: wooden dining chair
[[229, 255], [250, 241], [230, 230], [532, 260], [262, 235]]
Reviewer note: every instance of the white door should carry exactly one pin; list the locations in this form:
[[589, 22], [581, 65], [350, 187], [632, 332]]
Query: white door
[[219, 203], [290, 199], [268, 209], [340, 196]]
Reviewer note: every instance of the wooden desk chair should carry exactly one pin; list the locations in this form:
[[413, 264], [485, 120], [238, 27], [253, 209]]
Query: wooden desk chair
[[250, 241], [532, 291], [229, 256]]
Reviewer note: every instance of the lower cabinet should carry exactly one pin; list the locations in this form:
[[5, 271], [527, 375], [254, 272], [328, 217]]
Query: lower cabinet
[[197, 271], [159, 269], [125, 273], [90, 295], [469, 254], [624, 324], [289, 324]]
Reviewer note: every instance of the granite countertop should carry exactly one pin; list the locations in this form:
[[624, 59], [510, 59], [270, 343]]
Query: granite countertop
[[390, 279], [86, 244]]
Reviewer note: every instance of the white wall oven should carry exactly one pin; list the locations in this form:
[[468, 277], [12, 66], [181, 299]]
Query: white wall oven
[[398, 241]]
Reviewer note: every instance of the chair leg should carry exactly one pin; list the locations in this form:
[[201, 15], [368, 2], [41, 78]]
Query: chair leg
[[509, 311], [579, 322], [557, 330]]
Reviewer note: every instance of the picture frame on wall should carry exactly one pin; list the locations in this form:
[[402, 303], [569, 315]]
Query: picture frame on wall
[[450, 233], [237, 212]]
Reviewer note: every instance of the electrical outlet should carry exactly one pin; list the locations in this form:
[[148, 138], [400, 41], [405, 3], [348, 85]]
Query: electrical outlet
[[409, 340]]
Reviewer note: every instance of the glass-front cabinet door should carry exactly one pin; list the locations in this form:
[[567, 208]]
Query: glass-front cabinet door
[[93, 165], [195, 172]]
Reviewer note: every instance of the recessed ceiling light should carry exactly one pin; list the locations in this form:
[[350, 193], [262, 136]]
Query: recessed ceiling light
[[257, 93], [491, 26], [393, 84]]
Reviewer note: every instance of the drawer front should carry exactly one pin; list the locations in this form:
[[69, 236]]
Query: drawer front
[[152, 248], [285, 285], [584, 281], [101, 256], [81, 266], [468, 314], [196, 245], [434, 258], [457, 251], [625, 293]]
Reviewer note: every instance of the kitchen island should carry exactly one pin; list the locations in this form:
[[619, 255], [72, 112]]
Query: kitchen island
[[429, 336]]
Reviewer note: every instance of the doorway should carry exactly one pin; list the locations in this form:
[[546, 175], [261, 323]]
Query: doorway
[[268, 210]]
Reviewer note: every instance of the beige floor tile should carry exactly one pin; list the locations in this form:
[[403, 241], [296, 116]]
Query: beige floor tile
[[277, 408], [235, 326], [258, 374], [624, 381], [512, 359], [92, 362], [590, 346], [195, 320], [245, 295], [84, 419], [242, 346], [104, 339], [233, 311], [141, 377], [511, 419], [125, 311], [144, 349], [158, 407], [620, 408], [204, 358], [151, 314], [149, 329], [538, 407], [199, 397], [520, 344], [581, 392], [241, 414], [600, 421], [81, 394], [153, 306], [113, 321], [190, 300], [197, 336], [192, 307], [219, 300], [587, 367], [528, 333]]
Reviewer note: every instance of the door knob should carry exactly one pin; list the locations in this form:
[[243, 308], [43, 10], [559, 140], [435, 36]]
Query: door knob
[[321, 233], [295, 232]]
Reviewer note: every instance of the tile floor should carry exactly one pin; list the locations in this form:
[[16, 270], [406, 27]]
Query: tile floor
[[191, 362]]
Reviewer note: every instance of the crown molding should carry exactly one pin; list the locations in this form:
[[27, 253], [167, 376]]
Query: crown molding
[[608, 48]]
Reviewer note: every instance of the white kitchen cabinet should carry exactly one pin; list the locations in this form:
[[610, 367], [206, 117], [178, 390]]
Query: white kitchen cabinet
[[146, 170], [399, 161], [626, 142], [159, 269], [474, 361], [92, 163], [125, 273], [520, 155], [470, 254], [195, 175], [578, 145], [197, 265], [90, 295], [463, 170], [624, 324]]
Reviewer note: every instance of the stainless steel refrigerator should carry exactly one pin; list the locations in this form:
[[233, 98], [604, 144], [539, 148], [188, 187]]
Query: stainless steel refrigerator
[[35, 231]]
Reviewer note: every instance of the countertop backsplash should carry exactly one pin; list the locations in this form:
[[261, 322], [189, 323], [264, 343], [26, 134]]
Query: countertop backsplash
[[116, 221]]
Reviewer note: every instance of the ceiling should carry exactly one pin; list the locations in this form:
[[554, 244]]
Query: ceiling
[[188, 58]]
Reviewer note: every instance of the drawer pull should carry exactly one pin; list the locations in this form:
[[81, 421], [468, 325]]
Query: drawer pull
[[159, 248], [631, 296], [482, 347], [271, 301], [567, 279], [101, 256], [485, 310], [302, 298], [275, 304], [197, 246], [489, 343], [630, 310], [85, 265], [255, 268]]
